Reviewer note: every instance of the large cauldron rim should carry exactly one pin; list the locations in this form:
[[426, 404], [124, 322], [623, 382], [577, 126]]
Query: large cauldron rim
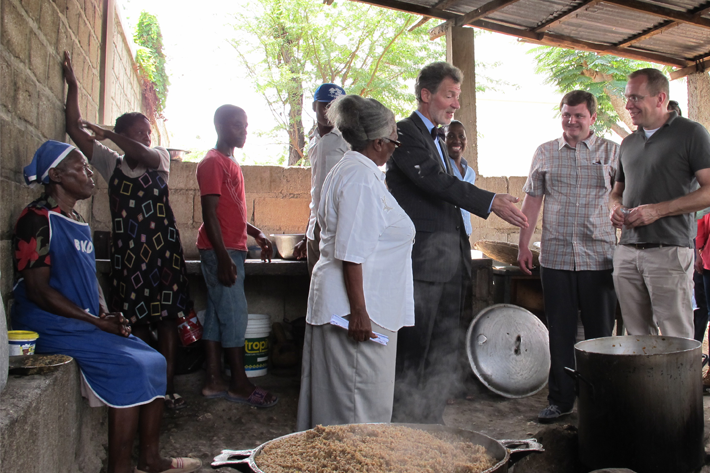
[[613, 345]]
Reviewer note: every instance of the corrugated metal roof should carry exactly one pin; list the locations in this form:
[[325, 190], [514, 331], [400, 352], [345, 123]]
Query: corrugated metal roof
[[663, 29]]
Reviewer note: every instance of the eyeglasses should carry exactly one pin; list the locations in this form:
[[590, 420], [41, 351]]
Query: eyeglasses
[[396, 143], [634, 98]]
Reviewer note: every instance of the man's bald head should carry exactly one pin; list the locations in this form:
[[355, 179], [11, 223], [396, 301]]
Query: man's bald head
[[225, 112], [231, 124]]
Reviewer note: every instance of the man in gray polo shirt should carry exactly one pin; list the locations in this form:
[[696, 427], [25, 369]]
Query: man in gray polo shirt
[[653, 201]]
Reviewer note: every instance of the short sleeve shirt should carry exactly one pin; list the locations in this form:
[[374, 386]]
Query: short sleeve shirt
[[362, 223], [323, 152], [221, 175], [659, 169], [577, 234], [104, 160]]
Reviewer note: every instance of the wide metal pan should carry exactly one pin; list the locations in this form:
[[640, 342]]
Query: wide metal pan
[[505, 452]]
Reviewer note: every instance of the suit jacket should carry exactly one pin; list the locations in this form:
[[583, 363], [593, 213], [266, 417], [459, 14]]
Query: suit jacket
[[431, 196]]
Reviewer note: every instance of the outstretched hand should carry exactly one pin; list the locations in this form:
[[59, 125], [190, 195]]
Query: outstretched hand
[[68, 69], [504, 207]]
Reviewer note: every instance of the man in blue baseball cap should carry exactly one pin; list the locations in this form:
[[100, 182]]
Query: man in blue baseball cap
[[325, 149]]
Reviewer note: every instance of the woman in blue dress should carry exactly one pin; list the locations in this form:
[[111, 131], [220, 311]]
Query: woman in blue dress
[[57, 295]]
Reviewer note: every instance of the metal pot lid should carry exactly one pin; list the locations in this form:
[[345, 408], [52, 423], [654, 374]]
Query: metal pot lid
[[509, 350]]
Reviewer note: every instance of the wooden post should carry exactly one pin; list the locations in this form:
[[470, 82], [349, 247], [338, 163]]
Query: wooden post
[[107, 61], [460, 53], [699, 98]]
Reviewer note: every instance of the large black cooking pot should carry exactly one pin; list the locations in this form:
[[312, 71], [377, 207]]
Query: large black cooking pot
[[640, 403], [506, 452]]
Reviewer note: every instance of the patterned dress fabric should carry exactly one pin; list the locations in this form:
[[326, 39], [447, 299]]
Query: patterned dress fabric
[[149, 276], [120, 371]]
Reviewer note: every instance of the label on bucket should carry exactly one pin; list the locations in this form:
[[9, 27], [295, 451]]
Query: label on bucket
[[22, 347], [256, 354]]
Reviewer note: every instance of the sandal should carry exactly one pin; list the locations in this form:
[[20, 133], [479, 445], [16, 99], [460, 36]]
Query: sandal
[[257, 398], [174, 401]]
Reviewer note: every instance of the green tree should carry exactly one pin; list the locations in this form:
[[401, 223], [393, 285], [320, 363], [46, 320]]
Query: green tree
[[288, 47], [604, 76], [151, 63]]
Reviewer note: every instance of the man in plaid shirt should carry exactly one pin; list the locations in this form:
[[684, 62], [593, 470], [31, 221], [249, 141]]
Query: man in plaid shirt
[[574, 175]]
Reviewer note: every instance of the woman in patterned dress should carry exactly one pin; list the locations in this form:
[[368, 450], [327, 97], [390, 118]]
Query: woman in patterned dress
[[148, 273]]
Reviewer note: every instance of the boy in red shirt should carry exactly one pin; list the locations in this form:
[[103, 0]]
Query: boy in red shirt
[[222, 241]]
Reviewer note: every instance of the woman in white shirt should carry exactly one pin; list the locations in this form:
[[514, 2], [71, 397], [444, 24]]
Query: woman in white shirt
[[364, 274]]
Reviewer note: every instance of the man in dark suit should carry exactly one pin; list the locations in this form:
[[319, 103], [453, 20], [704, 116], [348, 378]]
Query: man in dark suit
[[420, 177]]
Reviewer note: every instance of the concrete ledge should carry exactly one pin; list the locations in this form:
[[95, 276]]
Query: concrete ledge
[[46, 426], [252, 267]]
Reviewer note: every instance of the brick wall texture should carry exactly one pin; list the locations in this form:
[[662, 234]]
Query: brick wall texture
[[33, 37], [277, 202]]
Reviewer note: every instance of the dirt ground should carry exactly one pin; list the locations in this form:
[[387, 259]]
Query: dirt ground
[[206, 427]]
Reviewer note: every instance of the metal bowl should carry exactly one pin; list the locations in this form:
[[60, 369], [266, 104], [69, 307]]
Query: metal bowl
[[285, 243]]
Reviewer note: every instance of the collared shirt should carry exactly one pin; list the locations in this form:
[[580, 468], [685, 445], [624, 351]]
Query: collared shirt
[[429, 125], [577, 234], [659, 169], [470, 177], [323, 153], [362, 223]]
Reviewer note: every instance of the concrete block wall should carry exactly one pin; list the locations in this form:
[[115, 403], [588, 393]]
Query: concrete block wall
[[495, 228], [277, 201], [33, 37], [126, 95]]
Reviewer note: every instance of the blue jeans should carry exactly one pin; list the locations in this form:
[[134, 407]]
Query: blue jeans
[[226, 316]]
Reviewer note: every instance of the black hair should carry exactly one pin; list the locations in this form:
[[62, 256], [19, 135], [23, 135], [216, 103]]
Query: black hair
[[127, 120]]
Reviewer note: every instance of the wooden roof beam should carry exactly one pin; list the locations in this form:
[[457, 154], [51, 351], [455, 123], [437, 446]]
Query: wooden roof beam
[[441, 5], [550, 39], [700, 66], [663, 12], [411, 8], [552, 22], [490, 7], [663, 27]]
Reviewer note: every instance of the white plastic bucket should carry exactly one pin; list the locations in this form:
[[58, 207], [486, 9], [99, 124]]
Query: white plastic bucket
[[256, 345], [22, 342]]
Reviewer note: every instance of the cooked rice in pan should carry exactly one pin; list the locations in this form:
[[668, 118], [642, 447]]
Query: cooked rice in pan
[[373, 448]]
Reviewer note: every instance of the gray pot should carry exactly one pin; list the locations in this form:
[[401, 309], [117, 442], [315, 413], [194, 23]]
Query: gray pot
[[640, 403]]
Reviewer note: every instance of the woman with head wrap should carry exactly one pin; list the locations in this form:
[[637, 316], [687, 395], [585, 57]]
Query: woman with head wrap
[[148, 272], [364, 274], [57, 296]]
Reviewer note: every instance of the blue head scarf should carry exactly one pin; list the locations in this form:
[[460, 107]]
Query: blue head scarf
[[48, 156]]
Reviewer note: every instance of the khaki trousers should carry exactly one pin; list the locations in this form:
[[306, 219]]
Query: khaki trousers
[[655, 287]]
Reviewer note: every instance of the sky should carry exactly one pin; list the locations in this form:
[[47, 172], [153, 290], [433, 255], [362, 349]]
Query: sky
[[205, 73]]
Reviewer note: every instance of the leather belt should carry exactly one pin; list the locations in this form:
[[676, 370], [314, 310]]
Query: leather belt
[[646, 246]]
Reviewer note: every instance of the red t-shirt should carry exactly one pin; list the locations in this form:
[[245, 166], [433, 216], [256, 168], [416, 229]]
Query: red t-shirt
[[219, 175]]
